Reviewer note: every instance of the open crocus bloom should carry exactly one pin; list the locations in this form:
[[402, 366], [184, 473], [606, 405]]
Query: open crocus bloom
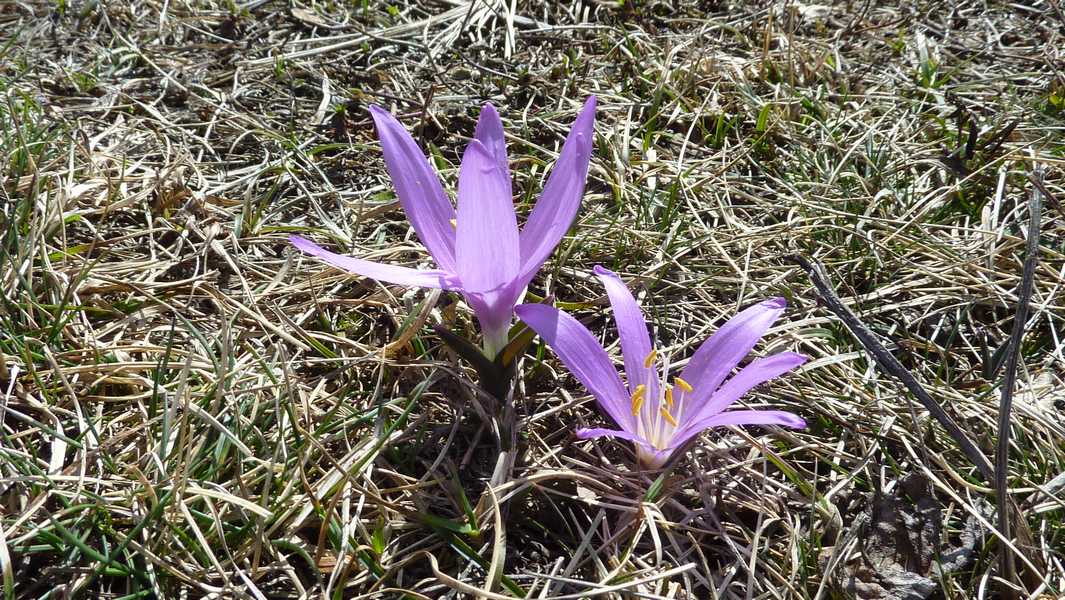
[[479, 250], [659, 416]]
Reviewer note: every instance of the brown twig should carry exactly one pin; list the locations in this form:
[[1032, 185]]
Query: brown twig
[[1005, 516], [889, 363]]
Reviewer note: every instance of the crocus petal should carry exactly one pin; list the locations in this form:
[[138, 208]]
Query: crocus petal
[[716, 358], [586, 433], [738, 417], [487, 237], [486, 248], [557, 206], [493, 311], [418, 187], [429, 278], [583, 356], [490, 133], [756, 417], [757, 372], [632, 330], [649, 456]]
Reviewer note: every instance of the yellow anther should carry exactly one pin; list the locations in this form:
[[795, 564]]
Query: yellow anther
[[684, 385], [637, 404], [637, 399], [454, 224], [669, 396], [669, 418], [650, 360]]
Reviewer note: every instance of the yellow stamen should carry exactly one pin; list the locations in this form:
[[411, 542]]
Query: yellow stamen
[[669, 397], [668, 417], [684, 385], [454, 224], [650, 360], [637, 399]]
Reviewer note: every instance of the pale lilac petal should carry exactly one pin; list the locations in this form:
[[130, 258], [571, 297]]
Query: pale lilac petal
[[493, 311], [418, 188], [632, 330], [716, 358], [738, 417], [557, 206], [583, 356], [757, 417], [487, 238], [758, 372], [486, 250], [429, 278], [649, 456], [490, 133], [586, 433]]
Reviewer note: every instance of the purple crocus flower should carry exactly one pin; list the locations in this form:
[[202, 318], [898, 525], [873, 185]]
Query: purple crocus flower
[[479, 250], [659, 416]]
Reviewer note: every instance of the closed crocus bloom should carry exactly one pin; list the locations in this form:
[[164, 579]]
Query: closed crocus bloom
[[656, 413], [478, 249]]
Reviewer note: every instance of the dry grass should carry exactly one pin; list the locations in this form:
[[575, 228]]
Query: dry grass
[[189, 407]]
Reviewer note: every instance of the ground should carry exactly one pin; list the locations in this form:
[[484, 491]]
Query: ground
[[192, 408]]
